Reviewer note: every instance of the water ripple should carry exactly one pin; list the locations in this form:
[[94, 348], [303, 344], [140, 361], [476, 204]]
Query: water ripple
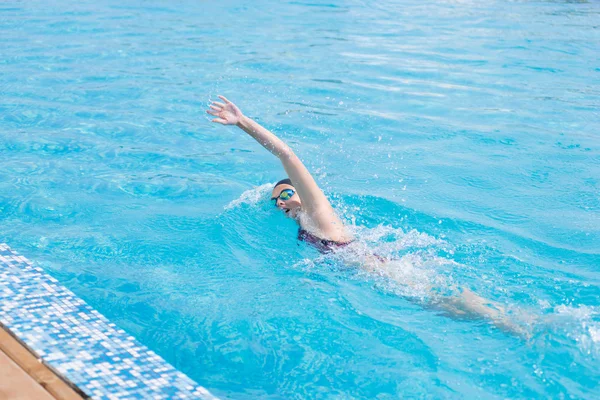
[[461, 136]]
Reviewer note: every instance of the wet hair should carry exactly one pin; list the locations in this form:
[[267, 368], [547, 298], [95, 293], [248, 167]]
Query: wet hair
[[286, 181]]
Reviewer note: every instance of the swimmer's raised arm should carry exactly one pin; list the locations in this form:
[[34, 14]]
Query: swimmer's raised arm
[[314, 201]]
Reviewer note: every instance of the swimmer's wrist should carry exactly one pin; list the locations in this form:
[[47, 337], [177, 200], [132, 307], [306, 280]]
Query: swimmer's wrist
[[243, 121]]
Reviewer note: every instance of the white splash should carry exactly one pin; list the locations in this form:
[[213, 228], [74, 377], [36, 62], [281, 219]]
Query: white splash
[[582, 324], [421, 274], [251, 196], [414, 275], [388, 238]]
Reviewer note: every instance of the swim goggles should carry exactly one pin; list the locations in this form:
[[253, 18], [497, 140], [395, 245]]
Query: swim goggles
[[285, 195]]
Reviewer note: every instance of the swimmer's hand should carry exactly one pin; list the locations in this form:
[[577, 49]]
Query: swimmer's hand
[[227, 114]]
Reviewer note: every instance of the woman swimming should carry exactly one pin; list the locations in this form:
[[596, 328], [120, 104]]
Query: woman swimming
[[300, 198]]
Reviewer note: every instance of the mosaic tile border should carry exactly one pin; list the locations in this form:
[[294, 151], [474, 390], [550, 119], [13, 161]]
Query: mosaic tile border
[[81, 344]]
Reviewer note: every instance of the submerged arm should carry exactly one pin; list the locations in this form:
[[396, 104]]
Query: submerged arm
[[314, 201]]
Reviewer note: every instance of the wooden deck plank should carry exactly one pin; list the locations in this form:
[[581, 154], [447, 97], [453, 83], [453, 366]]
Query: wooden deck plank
[[16, 384], [29, 363]]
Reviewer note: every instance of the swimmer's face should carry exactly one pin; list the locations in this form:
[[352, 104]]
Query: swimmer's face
[[290, 206]]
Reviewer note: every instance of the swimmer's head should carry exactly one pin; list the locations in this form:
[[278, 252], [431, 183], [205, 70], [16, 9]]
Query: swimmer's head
[[285, 197]]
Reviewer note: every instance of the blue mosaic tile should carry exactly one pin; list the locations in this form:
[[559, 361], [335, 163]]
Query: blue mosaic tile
[[101, 359]]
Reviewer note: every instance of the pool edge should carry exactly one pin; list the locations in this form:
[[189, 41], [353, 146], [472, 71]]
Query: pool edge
[[78, 343]]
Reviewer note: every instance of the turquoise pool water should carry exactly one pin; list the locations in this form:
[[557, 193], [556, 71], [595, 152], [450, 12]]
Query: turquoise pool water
[[460, 137]]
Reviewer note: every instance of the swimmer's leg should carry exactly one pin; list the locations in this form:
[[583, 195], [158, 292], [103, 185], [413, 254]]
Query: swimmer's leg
[[468, 304], [465, 304]]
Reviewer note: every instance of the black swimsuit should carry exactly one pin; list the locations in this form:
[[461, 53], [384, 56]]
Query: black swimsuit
[[323, 245], [327, 246]]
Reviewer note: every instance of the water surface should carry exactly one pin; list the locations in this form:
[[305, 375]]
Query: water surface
[[461, 137]]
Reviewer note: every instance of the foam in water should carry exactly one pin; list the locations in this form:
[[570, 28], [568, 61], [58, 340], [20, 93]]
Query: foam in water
[[419, 274], [581, 324], [251, 196]]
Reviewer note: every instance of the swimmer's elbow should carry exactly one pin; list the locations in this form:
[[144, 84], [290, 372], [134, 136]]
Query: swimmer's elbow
[[287, 155]]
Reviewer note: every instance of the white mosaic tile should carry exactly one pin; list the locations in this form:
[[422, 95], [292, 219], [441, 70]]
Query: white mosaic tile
[[101, 359]]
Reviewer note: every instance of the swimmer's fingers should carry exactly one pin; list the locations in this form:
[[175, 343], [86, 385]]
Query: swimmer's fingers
[[227, 113]]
